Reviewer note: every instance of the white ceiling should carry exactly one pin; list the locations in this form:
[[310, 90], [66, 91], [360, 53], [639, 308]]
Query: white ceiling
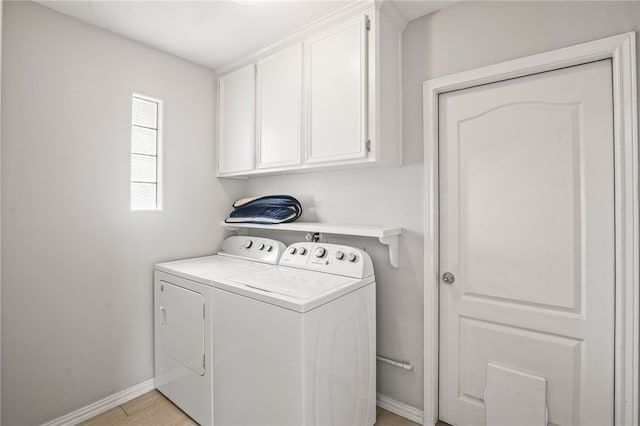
[[213, 33]]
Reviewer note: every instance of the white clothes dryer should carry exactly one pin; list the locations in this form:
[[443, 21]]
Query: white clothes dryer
[[183, 313], [296, 344]]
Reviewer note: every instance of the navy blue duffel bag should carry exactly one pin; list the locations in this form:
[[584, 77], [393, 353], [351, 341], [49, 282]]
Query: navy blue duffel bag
[[269, 209]]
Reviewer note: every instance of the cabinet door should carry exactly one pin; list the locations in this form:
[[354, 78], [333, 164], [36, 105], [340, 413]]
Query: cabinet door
[[337, 103], [278, 120], [237, 111]]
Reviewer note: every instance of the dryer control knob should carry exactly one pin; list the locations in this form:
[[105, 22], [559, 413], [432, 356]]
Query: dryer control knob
[[269, 247], [302, 251], [261, 247], [248, 244], [352, 257], [293, 250], [320, 252], [339, 255]]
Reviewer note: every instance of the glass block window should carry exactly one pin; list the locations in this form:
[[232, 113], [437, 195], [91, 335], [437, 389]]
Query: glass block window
[[145, 153]]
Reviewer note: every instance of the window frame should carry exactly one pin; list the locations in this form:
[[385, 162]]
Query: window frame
[[158, 156]]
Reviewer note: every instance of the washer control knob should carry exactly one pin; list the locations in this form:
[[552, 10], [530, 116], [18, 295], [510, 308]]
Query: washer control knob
[[248, 244], [320, 252], [293, 250], [339, 255], [302, 251], [261, 247], [269, 247], [352, 257]]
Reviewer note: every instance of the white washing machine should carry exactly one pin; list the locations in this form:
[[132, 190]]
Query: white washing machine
[[296, 344], [183, 293]]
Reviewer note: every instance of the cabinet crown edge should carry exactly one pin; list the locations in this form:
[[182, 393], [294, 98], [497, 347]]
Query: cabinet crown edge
[[300, 34]]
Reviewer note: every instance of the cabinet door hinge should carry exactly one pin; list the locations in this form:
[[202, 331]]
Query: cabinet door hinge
[[368, 24], [368, 146]]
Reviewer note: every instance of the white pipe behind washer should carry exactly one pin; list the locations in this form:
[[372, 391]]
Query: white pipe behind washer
[[404, 365]]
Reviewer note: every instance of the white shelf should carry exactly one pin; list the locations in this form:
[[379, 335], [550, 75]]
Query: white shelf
[[323, 228], [388, 236]]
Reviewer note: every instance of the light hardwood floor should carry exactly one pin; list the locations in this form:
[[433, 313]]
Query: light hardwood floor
[[153, 409]]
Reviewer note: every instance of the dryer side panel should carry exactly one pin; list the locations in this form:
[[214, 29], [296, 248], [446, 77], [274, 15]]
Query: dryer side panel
[[340, 350]]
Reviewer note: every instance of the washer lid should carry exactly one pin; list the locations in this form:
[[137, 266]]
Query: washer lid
[[206, 270], [293, 288]]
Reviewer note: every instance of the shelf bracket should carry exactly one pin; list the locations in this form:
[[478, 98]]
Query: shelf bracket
[[393, 244]]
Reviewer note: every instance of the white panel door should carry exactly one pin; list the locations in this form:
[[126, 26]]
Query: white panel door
[[237, 111], [279, 108], [337, 90], [527, 229], [181, 331]]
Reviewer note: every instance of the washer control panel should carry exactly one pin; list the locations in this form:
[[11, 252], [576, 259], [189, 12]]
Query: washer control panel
[[265, 250], [329, 258]]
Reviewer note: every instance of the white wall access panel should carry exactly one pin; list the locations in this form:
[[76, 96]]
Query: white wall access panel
[[236, 120], [513, 397], [279, 108], [336, 60]]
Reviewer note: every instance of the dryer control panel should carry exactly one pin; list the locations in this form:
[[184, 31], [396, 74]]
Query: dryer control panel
[[328, 258], [265, 250]]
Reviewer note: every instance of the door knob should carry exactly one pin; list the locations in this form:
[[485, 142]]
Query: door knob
[[448, 278]]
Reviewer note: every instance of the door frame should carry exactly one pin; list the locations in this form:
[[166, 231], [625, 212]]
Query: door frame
[[622, 52]]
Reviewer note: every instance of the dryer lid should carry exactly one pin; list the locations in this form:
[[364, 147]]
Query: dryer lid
[[206, 270]]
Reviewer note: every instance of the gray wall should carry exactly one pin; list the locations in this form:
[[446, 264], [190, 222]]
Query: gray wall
[[462, 37], [474, 34], [77, 263], [1, 9]]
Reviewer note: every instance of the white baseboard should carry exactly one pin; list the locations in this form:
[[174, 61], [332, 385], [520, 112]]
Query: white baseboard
[[98, 407], [104, 404], [399, 408]]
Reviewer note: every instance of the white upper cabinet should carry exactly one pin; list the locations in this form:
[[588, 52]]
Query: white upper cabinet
[[337, 92], [327, 96], [236, 121], [278, 109]]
